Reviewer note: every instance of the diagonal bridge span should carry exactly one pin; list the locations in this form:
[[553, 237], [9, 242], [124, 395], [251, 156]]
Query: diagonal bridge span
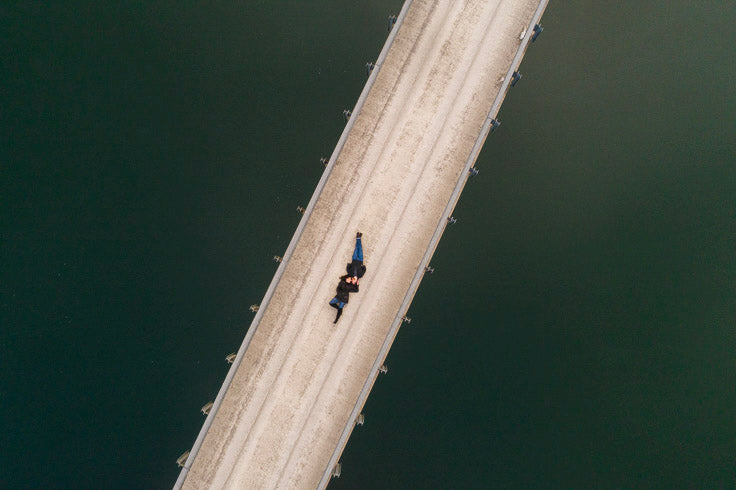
[[298, 383]]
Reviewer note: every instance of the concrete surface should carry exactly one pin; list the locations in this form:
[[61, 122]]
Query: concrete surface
[[292, 393]]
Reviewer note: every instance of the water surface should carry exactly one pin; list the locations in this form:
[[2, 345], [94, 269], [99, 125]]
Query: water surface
[[578, 330]]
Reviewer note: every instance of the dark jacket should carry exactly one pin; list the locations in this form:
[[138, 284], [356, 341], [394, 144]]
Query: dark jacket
[[356, 268], [344, 289]]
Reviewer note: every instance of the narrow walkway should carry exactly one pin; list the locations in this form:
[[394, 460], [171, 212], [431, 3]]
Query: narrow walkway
[[294, 388]]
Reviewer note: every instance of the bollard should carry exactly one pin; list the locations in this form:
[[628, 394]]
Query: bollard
[[182, 459], [537, 31], [515, 78]]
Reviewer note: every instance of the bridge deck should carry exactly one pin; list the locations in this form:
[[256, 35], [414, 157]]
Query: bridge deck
[[297, 382]]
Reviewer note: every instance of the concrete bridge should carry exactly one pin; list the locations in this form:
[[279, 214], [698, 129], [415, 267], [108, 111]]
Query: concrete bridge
[[298, 382]]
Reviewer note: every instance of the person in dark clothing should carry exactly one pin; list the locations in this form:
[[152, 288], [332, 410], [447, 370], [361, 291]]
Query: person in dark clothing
[[356, 267], [349, 282], [347, 285]]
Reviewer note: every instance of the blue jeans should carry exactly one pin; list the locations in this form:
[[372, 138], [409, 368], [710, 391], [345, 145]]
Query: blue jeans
[[335, 301], [358, 253]]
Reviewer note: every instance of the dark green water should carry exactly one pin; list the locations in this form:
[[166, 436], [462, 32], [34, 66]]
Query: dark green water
[[579, 330]]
